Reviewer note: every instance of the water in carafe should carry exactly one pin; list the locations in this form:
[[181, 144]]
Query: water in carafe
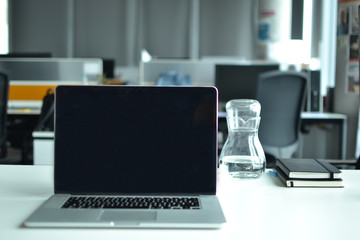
[[242, 155]]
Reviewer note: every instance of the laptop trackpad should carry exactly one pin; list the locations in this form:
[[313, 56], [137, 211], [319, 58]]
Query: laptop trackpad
[[124, 216]]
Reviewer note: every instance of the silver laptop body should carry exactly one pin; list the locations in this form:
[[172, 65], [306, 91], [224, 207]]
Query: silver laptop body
[[133, 157]]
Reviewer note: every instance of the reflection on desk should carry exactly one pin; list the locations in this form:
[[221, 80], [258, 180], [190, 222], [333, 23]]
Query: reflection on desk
[[255, 209]]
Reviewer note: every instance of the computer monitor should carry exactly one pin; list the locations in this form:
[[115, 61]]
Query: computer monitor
[[239, 81], [27, 55], [109, 68]]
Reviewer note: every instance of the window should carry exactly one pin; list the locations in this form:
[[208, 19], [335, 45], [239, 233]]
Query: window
[[120, 29], [4, 27]]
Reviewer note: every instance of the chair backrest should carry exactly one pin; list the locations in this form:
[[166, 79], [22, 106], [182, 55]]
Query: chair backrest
[[282, 96], [4, 93]]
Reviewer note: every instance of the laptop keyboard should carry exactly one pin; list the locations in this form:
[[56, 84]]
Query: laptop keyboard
[[133, 202]]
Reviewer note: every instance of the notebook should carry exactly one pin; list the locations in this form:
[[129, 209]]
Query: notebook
[[133, 157]]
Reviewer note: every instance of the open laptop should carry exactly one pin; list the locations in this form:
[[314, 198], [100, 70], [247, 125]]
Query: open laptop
[[133, 156]]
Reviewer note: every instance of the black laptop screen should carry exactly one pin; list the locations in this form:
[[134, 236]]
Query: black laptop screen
[[135, 140]]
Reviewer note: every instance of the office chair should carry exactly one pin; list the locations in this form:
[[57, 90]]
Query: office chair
[[4, 92], [282, 97]]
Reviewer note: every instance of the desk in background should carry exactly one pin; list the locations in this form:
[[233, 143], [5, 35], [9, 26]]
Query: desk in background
[[23, 116], [23, 111], [43, 147], [255, 209], [43, 141], [310, 118]]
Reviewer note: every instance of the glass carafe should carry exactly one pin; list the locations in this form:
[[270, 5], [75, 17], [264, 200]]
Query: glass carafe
[[242, 155]]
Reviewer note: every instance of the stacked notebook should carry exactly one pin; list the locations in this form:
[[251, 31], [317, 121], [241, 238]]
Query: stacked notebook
[[308, 173]]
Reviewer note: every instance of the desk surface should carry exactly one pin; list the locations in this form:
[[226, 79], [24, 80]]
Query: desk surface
[[323, 115], [309, 115], [255, 209], [27, 106]]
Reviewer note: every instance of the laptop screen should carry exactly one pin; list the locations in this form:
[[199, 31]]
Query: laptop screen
[[135, 140]]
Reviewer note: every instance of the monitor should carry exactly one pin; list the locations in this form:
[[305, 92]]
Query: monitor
[[27, 55], [109, 68], [239, 81]]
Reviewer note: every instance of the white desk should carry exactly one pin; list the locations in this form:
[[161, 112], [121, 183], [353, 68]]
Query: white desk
[[309, 118], [30, 107], [43, 147], [255, 209]]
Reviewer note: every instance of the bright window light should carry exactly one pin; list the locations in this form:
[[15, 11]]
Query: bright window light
[[4, 27], [294, 52], [307, 29]]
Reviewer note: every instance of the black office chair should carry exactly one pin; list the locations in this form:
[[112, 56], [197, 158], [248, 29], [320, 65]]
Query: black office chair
[[4, 93], [282, 96]]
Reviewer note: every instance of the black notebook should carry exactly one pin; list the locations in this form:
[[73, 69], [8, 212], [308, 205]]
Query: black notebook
[[295, 182], [308, 169]]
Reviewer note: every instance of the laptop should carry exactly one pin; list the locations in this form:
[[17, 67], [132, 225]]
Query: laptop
[[133, 157]]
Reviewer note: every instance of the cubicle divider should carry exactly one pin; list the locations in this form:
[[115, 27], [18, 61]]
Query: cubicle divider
[[30, 78], [201, 72]]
